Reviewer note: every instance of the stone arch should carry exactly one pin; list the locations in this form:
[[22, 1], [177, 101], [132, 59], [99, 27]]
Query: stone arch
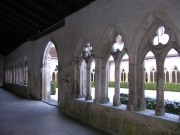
[[16, 72], [80, 45], [175, 74], [82, 76], [53, 40], [20, 71], [80, 59], [152, 74], [167, 76], [25, 76], [146, 76], [108, 39], [148, 28], [143, 44], [46, 74], [123, 75], [104, 79]]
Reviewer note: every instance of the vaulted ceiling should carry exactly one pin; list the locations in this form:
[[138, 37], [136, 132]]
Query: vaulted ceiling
[[23, 20]]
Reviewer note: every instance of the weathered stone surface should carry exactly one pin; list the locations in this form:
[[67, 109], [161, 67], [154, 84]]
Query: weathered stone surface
[[99, 24]]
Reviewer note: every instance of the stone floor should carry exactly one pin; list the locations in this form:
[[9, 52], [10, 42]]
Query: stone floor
[[30, 117]]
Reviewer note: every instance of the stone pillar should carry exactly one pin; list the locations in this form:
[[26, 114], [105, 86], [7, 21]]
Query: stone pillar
[[75, 92], [24, 75], [132, 87], [78, 79], [141, 104], [104, 85], [48, 76], [43, 84], [98, 80], [160, 109], [116, 98], [88, 83]]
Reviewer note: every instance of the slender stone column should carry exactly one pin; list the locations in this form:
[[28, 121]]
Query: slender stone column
[[141, 104], [116, 98], [104, 86], [78, 83], [43, 84], [132, 102], [160, 109], [76, 88], [98, 80], [88, 83]]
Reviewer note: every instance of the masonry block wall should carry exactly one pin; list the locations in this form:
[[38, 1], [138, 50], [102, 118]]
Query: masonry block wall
[[98, 25]]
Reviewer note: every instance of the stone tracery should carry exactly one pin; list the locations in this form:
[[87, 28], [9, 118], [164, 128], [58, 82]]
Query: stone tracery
[[161, 37]]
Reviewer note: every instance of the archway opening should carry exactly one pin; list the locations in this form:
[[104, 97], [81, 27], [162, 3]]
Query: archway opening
[[172, 82], [124, 78], [50, 75], [150, 75], [93, 63], [83, 78]]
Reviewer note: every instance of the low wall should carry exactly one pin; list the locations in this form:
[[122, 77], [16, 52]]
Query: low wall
[[118, 121], [20, 90]]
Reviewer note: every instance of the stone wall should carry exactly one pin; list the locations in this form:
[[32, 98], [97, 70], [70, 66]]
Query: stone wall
[[99, 23], [118, 121]]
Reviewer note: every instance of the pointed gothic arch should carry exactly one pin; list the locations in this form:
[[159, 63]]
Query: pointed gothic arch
[[157, 48], [47, 73]]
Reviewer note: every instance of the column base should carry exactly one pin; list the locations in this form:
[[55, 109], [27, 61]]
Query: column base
[[88, 97], [160, 112], [116, 101], [105, 100], [130, 107], [96, 100], [141, 105], [77, 96]]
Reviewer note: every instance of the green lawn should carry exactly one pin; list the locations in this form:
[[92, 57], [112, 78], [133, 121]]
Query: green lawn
[[149, 86]]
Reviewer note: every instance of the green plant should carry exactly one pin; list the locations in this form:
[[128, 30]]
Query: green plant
[[150, 86], [111, 83], [92, 84], [170, 106], [56, 83], [167, 86], [53, 88], [124, 84], [124, 98]]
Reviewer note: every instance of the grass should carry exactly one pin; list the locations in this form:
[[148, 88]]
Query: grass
[[175, 87]]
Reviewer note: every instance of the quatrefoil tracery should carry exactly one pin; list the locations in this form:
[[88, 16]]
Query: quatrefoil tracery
[[118, 45], [87, 51], [161, 37]]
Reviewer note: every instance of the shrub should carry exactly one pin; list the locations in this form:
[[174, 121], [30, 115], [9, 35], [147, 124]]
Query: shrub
[[170, 106], [172, 87], [150, 86], [167, 86], [92, 84], [56, 83], [150, 103], [122, 84], [111, 84], [53, 88], [124, 98]]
